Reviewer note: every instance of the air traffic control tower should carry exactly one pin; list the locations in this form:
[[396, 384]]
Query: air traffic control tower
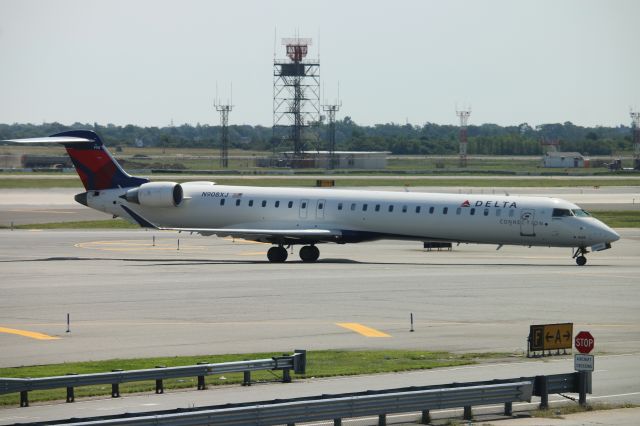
[[296, 95]]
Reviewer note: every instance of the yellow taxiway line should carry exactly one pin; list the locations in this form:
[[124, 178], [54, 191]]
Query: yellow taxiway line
[[26, 333], [362, 329]]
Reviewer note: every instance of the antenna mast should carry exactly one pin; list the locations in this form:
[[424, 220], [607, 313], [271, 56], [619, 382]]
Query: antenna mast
[[224, 110], [635, 126], [331, 110]]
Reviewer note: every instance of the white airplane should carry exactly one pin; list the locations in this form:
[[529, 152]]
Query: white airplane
[[309, 216]]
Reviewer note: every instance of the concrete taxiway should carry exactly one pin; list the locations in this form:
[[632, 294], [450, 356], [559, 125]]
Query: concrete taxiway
[[130, 298]]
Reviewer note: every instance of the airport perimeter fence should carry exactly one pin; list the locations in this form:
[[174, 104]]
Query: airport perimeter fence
[[353, 405], [286, 363]]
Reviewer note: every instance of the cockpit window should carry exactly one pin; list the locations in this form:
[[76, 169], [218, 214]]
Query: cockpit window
[[580, 213], [561, 213]]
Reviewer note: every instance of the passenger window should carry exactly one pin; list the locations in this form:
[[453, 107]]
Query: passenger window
[[250, 203], [431, 210], [472, 211], [390, 208], [377, 207], [277, 204], [486, 212], [445, 210], [498, 212], [290, 204], [417, 209], [339, 206], [264, 203], [303, 205], [511, 213], [458, 210], [237, 202], [404, 209], [222, 201], [353, 206], [364, 207], [320, 206]]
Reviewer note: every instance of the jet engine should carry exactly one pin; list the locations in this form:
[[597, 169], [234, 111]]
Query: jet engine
[[156, 194]]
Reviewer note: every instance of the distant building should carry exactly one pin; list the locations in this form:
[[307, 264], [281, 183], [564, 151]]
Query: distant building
[[564, 160]]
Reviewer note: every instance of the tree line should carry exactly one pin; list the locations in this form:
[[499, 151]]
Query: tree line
[[400, 139]]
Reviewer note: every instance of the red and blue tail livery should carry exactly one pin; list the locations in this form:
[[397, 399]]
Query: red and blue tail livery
[[96, 167]]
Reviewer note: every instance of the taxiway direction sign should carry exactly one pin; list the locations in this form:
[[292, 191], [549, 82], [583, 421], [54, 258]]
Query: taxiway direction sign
[[550, 336]]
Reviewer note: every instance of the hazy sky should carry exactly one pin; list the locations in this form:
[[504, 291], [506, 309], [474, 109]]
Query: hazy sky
[[148, 62]]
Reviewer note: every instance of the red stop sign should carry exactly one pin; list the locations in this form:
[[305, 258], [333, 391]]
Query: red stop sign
[[584, 342]]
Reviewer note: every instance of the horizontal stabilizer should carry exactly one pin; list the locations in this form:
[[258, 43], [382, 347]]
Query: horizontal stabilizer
[[52, 139]]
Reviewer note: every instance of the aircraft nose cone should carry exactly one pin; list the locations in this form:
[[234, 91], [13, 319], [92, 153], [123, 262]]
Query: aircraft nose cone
[[612, 235]]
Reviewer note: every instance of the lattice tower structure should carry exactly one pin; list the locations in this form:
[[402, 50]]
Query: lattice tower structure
[[463, 115], [296, 95]]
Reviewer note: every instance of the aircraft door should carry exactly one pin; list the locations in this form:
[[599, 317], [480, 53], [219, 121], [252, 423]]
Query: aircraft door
[[304, 205], [320, 206], [527, 223]]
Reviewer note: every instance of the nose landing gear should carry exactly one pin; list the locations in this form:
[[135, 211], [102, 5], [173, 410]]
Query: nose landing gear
[[579, 256]]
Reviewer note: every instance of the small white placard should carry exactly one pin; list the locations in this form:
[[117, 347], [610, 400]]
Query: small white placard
[[583, 362]]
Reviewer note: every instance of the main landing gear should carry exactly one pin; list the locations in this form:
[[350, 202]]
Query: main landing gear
[[309, 253], [579, 256], [278, 254]]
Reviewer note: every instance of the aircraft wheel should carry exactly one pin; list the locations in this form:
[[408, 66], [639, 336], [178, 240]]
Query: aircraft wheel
[[581, 260], [277, 254], [309, 253]]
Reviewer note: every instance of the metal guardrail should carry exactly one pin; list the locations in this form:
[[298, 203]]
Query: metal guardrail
[[579, 382], [369, 403], [338, 408], [286, 363]]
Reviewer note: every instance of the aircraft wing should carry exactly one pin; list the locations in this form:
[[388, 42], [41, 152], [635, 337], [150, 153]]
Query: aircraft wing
[[246, 233], [260, 234]]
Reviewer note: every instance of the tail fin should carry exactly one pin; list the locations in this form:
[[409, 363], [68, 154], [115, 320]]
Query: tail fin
[[93, 162]]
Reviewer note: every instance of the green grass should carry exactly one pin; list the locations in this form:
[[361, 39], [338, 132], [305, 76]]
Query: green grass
[[72, 181], [619, 219], [567, 409], [319, 364], [42, 183]]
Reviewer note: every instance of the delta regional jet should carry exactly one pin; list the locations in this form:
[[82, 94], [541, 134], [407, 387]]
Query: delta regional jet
[[309, 216]]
